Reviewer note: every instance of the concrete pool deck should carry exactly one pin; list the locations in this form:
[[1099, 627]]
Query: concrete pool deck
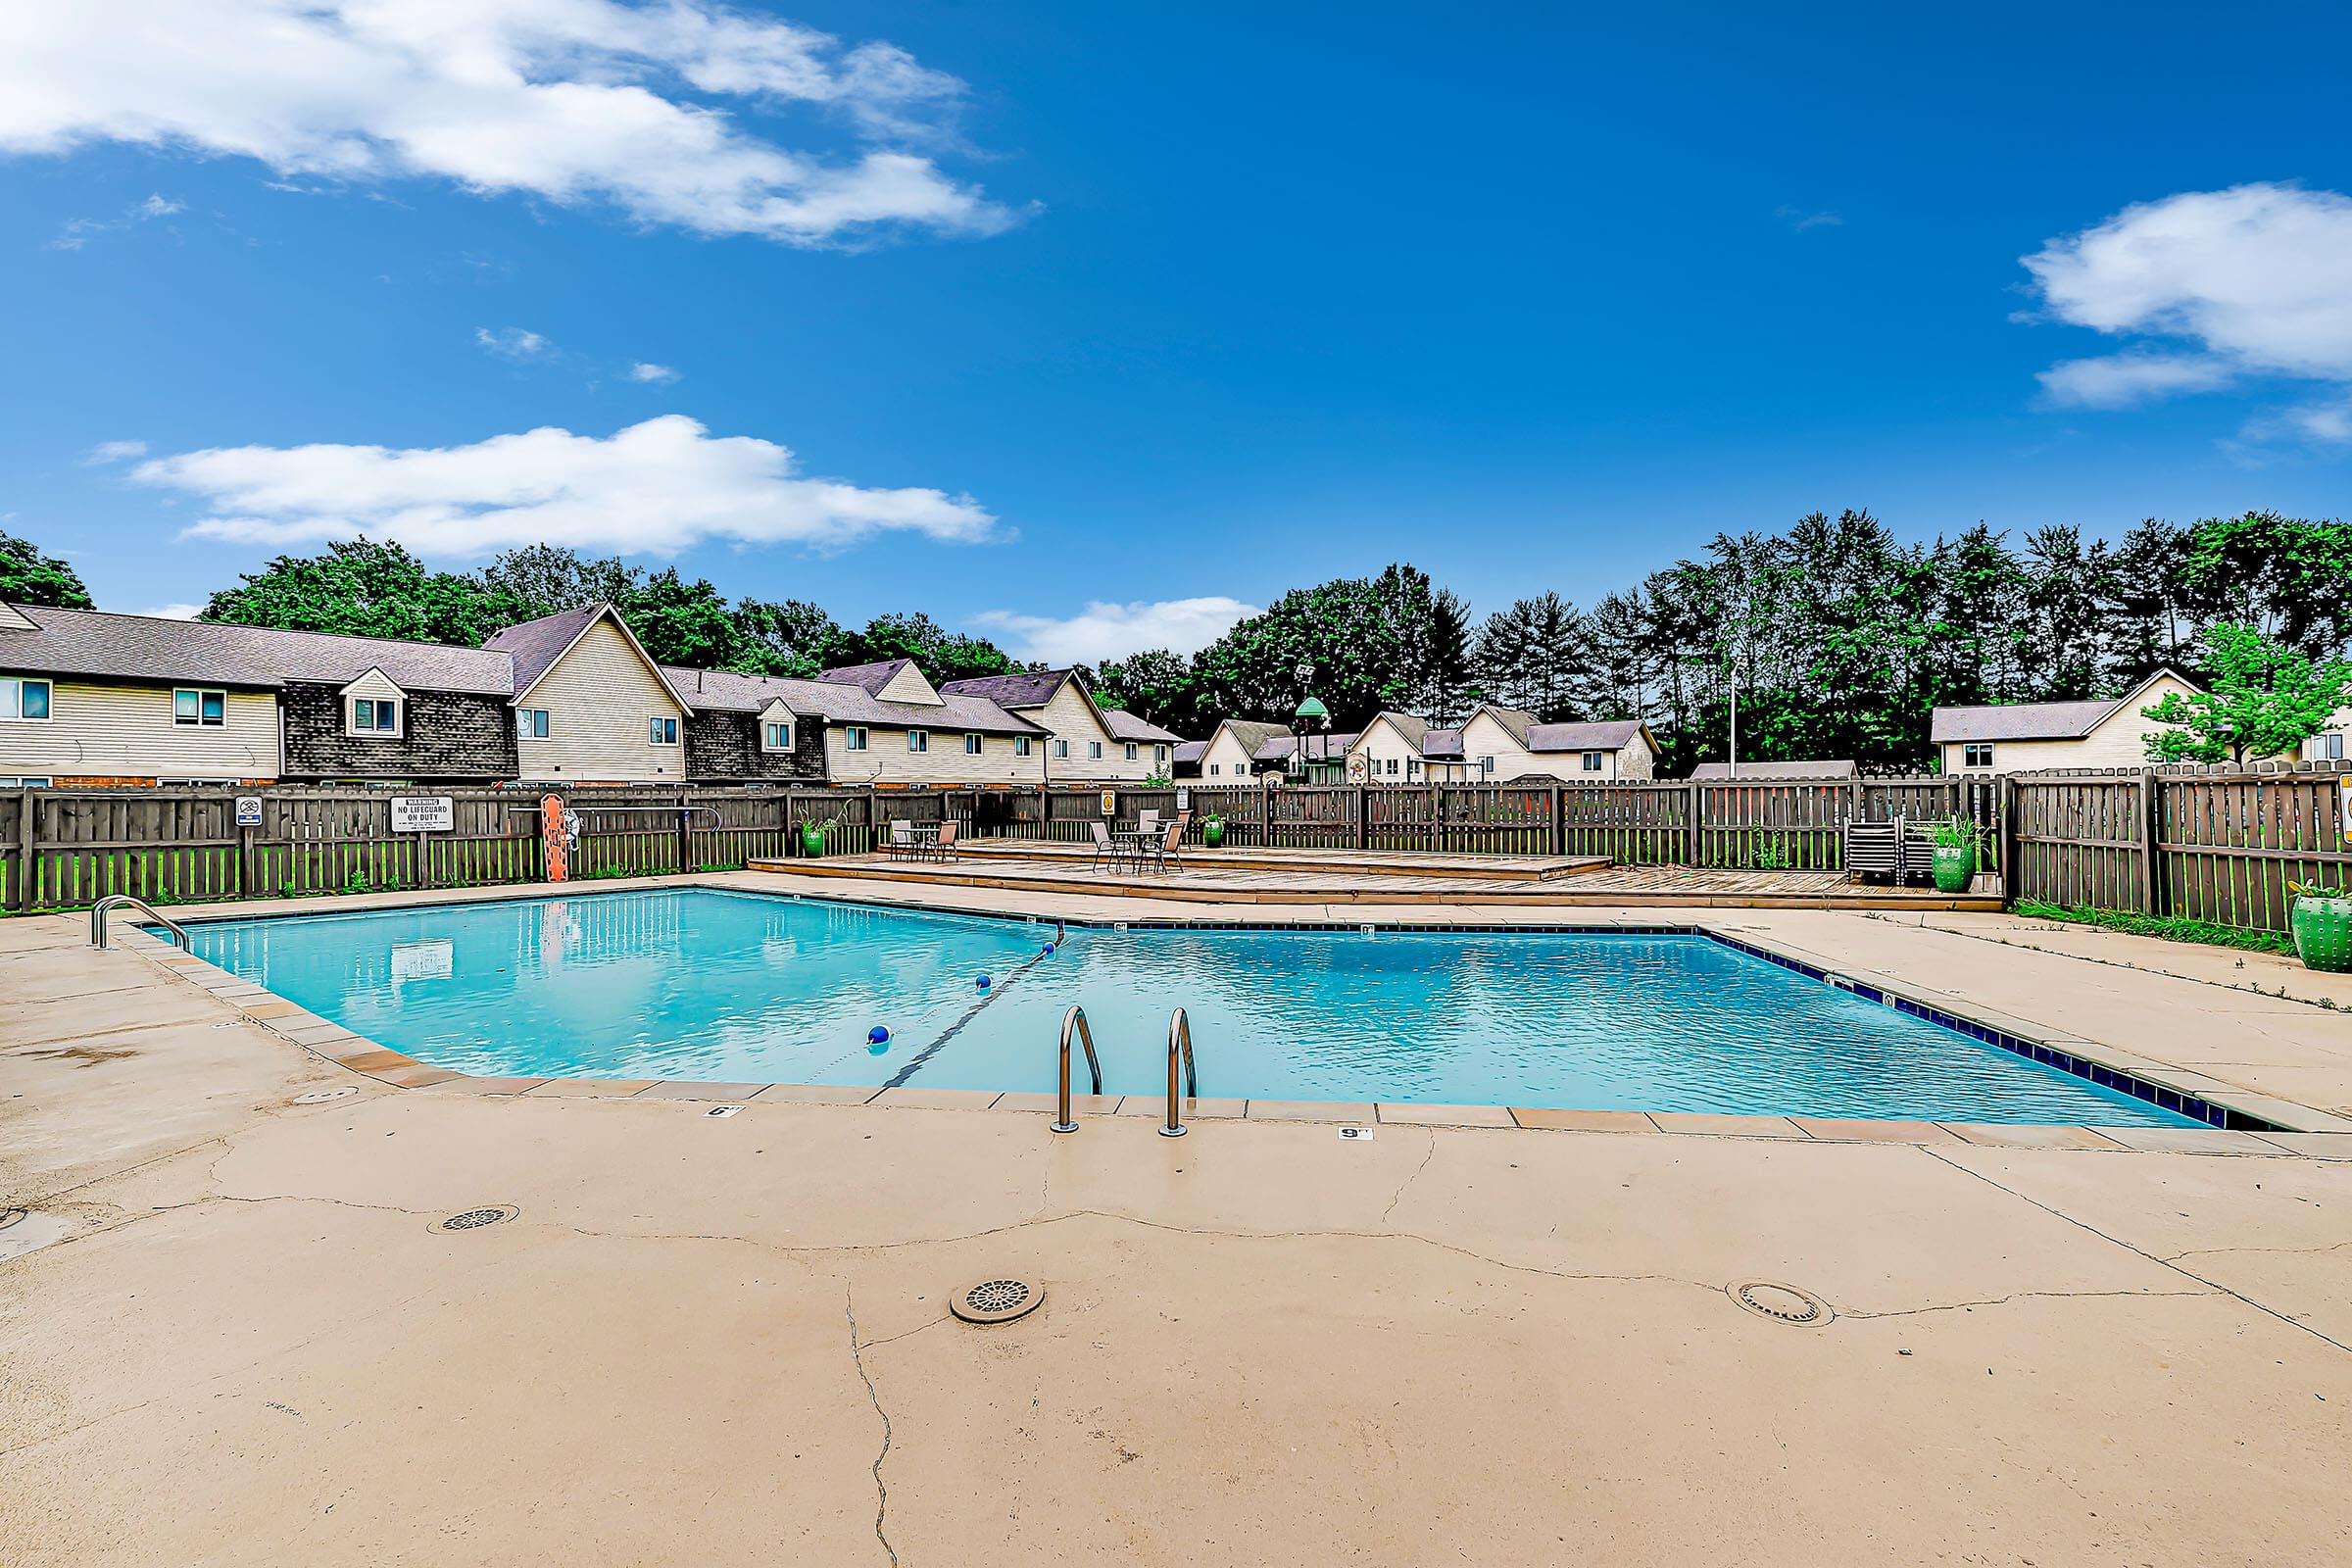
[[724, 1339]]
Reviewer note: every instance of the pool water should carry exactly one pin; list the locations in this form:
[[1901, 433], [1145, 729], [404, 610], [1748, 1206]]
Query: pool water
[[701, 983]]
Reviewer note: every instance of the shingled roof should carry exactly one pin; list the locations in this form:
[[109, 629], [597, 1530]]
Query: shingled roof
[[105, 646], [2036, 721], [1025, 689], [1721, 771], [1127, 727], [1603, 735], [534, 645], [843, 702], [868, 678]]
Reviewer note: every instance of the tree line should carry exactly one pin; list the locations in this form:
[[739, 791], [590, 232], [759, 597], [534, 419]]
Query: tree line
[[1839, 638]]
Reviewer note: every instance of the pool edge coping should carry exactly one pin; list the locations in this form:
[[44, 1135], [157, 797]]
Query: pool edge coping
[[332, 1042]]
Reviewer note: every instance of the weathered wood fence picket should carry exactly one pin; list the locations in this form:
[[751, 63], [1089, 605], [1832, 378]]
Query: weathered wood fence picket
[[2211, 845]]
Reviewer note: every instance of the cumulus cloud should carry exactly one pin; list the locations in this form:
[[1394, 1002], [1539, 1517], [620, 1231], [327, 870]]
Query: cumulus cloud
[[571, 100], [652, 374], [655, 488], [514, 343], [1103, 631], [114, 452], [2207, 288]]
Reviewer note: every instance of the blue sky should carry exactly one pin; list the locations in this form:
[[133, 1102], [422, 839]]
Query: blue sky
[[1142, 305]]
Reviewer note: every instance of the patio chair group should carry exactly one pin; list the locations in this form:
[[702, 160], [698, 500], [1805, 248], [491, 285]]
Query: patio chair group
[[1154, 848], [906, 844]]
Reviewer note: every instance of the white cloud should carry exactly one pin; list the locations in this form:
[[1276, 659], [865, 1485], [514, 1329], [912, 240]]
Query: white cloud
[[512, 343], [652, 374], [1103, 631], [172, 612], [75, 235], [114, 452], [574, 101], [2211, 288], [655, 488], [1798, 219]]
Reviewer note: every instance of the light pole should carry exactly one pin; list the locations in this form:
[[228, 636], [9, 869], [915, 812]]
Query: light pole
[[1310, 714]]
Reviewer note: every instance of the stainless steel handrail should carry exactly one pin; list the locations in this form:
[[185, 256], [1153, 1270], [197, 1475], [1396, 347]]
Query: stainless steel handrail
[[114, 900], [1075, 1019], [1180, 1035]]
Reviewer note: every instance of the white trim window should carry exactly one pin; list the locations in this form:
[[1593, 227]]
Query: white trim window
[[199, 707], [918, 739], [530, 724], [971, 742], [1486, 765], [1023, 745], [777, 735], [1094, 751], [1159, 754], [2328, 748], [27, 783], [1412, 767], [853, 738], [1061, 751], [1977, 754], [1216, 770], [375, 718], [1593, 763], [24, 700], [1131, 752], [660, 731]]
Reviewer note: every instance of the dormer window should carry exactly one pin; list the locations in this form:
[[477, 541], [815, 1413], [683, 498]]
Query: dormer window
[[775, 736], [375, 717]]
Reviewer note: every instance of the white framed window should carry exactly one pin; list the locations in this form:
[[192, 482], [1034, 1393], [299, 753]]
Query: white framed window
[[2329, 747], [971, 742], [662, 732], [27, 700], [918, 739], [1094, 751], [853, 738], [1159, 753], [1023, 745], [1486, 765], [1216, 770], [1131, 752], [1593, 761], [775, 736], [206, 710], [23, 783], [1392, 768], [374, 715], [530, 724], [1061, 749], [1978, 754]]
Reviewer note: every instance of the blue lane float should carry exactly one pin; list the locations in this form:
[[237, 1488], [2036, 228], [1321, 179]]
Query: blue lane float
[[982, 982], [877, 1036]]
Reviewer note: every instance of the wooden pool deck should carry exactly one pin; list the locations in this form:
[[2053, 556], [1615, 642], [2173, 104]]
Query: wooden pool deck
[[1373, 877]]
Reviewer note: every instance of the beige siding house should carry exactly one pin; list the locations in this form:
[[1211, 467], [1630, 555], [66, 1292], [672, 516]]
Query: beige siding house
[[1230, 755], [1140, 749], [591, 706], [2023, 737], [1080, 746], [82, 732], [1499, 743], [906, 733]]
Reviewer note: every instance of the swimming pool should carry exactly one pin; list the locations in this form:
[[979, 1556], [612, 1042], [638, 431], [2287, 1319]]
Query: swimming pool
[[743, 986]]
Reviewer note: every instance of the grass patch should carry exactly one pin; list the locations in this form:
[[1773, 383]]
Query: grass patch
[[2167, 927]]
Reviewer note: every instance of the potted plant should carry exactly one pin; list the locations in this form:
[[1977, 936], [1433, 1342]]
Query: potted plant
[[812, 835], [1212, 830], [2322, 918], [1954, 855]]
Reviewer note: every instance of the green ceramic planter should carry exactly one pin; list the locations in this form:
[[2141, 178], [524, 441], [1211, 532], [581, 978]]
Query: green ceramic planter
[[2323, 934], [1212, 832], [1955, 867], [813, 840]]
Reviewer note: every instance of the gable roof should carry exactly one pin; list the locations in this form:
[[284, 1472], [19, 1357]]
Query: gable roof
[[1444, 743], [1126, 727], [1516, 721], [1188, 750], [870, 678], [1320, 748], [106, 646], [841, 701], [1405, 724], [2037, 721], [1247, 733], [1022, 689], [1602, 735], [1769, 771], [535, 646]]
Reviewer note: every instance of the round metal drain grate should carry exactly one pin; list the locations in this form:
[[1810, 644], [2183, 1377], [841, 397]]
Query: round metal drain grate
[[474, 1219], [11, 1216], [1783, 1304], [997, 1301], [322, 1096]]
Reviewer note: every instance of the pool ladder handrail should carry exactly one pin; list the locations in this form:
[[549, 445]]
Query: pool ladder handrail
[[1074, 1021], [116, 900], [1180, 1035]]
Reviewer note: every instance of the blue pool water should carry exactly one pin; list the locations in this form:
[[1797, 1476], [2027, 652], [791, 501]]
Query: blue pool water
[[739, 987]]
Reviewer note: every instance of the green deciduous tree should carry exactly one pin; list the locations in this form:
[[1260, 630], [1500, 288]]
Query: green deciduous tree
[[360, 588], [2264, 699], [28, 578]]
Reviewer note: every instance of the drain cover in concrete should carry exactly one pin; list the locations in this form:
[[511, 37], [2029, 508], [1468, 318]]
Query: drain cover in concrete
[[474, 1219], [997, 1301], [322, 1096], [1783, 1304], [21, 1231]]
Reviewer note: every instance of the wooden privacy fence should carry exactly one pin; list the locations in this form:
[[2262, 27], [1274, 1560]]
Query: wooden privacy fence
[[2208, 845]]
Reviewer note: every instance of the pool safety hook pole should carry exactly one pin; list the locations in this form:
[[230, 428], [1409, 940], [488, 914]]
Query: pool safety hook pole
[[1180, 1035], [1074, 1021]]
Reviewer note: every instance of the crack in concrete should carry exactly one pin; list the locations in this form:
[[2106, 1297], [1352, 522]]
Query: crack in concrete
[[875, 1345], [849, 1297], [2014, 1296], [1427, 1155], [2207, 1252], [2117, 1241]]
